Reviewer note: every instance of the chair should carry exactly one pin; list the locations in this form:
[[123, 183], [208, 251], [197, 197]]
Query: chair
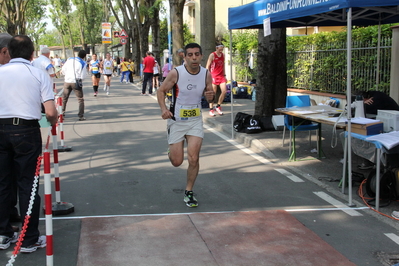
[[299, 101]]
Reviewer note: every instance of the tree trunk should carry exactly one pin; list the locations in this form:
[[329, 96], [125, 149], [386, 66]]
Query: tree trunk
[[207, 37], [155, 35], [176, 18], [71, 38], [271, 89], [136, 51], [13, 14]]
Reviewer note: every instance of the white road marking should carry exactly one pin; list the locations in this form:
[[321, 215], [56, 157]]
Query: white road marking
[[238, 146], [289, 175], [190, 213], [393, 237], [337, 204], [325, 209]]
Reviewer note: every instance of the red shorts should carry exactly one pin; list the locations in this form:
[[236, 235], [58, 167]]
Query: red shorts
[[218, 80]]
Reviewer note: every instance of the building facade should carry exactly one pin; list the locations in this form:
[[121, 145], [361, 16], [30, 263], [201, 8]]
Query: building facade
[[192, 10]]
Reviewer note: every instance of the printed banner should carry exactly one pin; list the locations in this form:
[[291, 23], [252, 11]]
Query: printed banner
[[106, 32]]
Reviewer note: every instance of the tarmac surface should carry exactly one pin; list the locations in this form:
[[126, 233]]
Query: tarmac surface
[[249, 214], [326, 172]]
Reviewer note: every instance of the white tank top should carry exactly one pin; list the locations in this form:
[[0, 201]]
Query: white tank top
[[187, 93], [107, 67]]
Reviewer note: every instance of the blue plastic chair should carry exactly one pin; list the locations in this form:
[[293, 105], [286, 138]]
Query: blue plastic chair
[[299, 101]]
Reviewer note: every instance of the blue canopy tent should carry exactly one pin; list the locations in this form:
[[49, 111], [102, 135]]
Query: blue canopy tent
[[300, 13]]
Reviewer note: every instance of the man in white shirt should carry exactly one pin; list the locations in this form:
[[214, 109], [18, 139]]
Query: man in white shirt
[[57, 61], [75, 72], [44, 63], [4, 59], [20, 139], [188, 83]]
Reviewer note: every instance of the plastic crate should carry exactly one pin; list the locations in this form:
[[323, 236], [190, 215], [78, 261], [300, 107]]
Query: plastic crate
[[390, 118]]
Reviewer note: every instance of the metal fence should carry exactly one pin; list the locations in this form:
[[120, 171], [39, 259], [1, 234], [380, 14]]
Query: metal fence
[[323, 68]]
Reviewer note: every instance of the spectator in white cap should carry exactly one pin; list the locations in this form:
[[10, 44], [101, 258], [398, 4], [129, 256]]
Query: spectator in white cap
[[180, 53], [44, 63], [4, 55]]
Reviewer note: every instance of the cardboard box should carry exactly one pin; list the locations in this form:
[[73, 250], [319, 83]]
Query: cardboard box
[[368, 129]]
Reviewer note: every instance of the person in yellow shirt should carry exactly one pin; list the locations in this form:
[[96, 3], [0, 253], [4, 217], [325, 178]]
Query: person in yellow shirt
[[131, 70], [125, 66]]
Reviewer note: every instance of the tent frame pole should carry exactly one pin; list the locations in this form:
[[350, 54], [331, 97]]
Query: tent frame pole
[[231, 84], [349, 101]]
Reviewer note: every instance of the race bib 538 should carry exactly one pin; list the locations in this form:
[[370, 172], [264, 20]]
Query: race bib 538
[[186, 113]]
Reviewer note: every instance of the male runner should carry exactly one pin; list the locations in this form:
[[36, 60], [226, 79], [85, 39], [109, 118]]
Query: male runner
[[215, 65], [188, 83]]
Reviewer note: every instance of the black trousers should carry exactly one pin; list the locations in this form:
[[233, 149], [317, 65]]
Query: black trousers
[[147, 79], [20, 147]]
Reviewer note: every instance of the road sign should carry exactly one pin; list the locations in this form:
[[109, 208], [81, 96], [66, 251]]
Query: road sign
[[116, 34], [123, 34], [123, 41]]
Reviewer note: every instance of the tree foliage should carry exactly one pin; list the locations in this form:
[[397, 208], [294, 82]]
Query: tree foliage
[[188, 37], [18, 16], [50, 38], [35, 26], [90, 14], [243, 42]]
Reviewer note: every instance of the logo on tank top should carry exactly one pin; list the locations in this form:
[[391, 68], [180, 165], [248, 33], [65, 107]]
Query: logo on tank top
[[191, 86]]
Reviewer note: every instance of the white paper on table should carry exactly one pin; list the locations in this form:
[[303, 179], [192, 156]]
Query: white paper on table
[[363, 121], [389, 140], [334, 119], [305, 112]]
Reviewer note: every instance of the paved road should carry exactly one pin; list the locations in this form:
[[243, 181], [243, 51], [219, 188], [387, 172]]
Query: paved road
[[119, 168]]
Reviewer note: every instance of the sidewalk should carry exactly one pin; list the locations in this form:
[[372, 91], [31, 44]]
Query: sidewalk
[[326, 172]]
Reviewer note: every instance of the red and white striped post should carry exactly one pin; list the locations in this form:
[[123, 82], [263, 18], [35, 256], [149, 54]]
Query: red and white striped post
[[48, 210], [62, 148], [58, 207], [56, 165]]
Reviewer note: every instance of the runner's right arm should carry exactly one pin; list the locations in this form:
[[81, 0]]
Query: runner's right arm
[[167, 85]]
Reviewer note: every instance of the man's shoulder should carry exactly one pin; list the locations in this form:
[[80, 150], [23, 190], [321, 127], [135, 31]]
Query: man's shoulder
[[41, 58]]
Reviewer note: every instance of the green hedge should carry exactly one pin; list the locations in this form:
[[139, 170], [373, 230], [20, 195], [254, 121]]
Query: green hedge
[[318, 61]]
